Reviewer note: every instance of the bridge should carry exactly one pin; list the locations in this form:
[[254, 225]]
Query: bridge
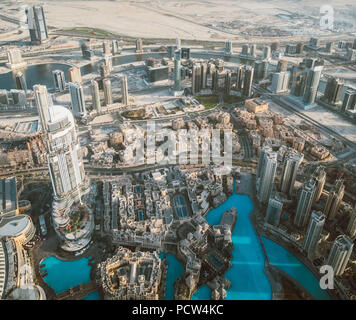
[[77, 293]]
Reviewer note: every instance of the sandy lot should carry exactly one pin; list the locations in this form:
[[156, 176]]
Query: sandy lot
[[196, 19]]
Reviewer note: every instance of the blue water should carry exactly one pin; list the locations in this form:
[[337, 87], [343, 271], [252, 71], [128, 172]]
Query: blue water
[[93, 296], [281, 258], [248, 280], [175, 270], [65, 274]]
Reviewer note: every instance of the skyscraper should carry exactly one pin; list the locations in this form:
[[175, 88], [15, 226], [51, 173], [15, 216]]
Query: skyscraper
[[313, 233], [274, 210], [21, 81], [333, 90], [106, 49], [177, 74], [15, 60], [340, 254], [239, 77], [107, 91], [228, 47], [77, 99], [74, 75], [282, 65], [292, 161], [319, 176], [349, 101], [139, 46], [253, 50], [204, 75], [351, 227], [267, 166], [312, 84], [227, 88], [266, 52], [37, 24], [280, 82], [305, 202], [59, 80], [124, 91], [334, 199], [248, 78], [66, 169], [95, 95], [178, 43], [196, 79]]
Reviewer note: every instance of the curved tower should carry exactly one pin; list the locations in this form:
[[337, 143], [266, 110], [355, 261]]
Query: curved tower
[[66, 170]]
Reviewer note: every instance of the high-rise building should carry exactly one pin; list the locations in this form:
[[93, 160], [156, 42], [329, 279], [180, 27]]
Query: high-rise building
[[77, 99], [107, 91], [66, 170], [95, 95], [59, 80], [4, 99], [314, 230], [74, 75], [275, 46], [334, 199], [21, 81], [292, 161], [351, 54], [104, 70], [239, 77], [267, 166], [253, 50], [37, 24], [260, 69], [245, 48], [106, 49], [196, 79], [177, 71], [227, 87], [15, 60], [228, 47], [170, 51], [185, 53], [349, 101], [204, 75], [329, 47], [139, 45], [274, 210], [354, 45], [306, 198], [340, 254], [282, 65], [115, 48], [333, 90], [124, 91], [312, 84], [319, 176], [351, 227], [280, 82], [248, 79], [178, 43], [300, 48], [266, 52]]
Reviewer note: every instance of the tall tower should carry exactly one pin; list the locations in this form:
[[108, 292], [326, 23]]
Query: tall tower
[[139, 47], [319, 176], [37, 24], [107, 91], [228, 47], [66, 169], [340, 254], [292, 162], [177, 75], [274, 210], [75, 75], [351, 227], [95, 95], [77, 99], [124, 91], [312, 84], [266, 52], [305, 202], [313, 233], [21, 81], [334, 199], [267, 171], [196, 79], [247, 89], [333, 90], [59, 80]]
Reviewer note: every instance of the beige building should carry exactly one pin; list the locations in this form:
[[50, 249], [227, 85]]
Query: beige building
[[256, 105]]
